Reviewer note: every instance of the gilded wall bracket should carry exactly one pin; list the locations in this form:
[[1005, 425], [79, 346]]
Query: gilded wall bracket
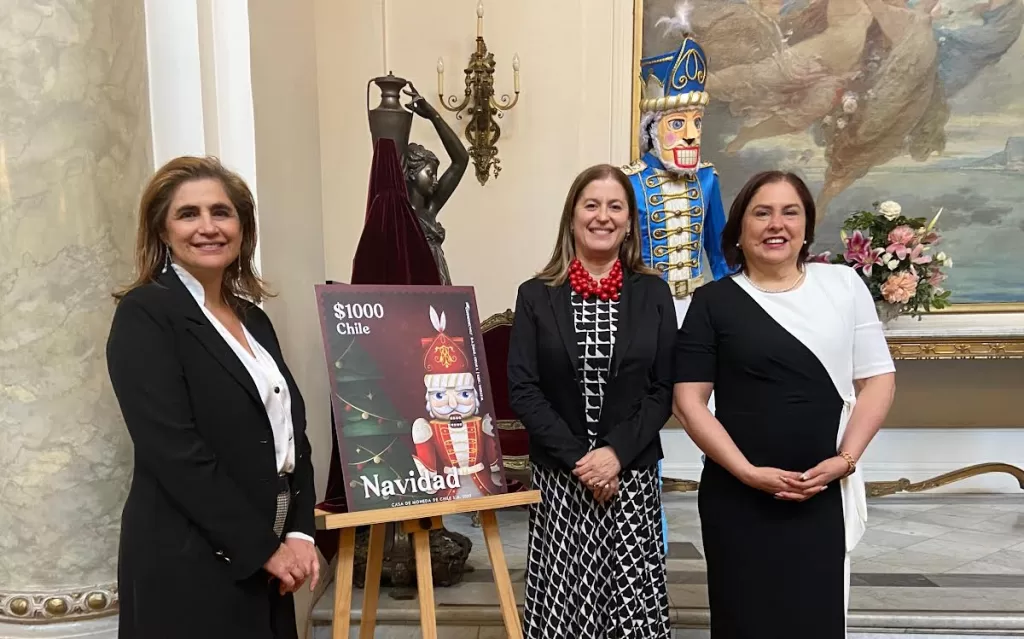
[[482, 130]]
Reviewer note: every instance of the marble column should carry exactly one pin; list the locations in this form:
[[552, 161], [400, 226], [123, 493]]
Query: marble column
[[74, 155]]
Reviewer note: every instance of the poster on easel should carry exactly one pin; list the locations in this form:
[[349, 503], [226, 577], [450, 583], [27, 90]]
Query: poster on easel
[[410, 394]]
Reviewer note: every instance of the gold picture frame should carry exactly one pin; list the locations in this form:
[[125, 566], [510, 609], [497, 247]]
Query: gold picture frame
[[977, 336]]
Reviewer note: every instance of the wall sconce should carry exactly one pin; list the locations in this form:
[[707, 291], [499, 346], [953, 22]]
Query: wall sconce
[[482, 130]]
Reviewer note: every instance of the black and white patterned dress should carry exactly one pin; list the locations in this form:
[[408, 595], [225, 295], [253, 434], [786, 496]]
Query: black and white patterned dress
[[596, 571]]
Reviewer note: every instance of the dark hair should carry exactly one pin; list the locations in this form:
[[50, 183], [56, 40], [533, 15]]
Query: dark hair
[[557, 269], [733, 226]]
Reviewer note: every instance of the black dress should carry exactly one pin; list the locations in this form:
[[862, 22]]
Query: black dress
[[777, 569]]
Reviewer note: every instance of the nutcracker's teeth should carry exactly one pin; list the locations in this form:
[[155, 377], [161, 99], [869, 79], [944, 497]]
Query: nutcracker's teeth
[[686, 157]]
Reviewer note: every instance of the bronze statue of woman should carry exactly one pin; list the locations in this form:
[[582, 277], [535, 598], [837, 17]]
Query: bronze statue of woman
[[427, 192]]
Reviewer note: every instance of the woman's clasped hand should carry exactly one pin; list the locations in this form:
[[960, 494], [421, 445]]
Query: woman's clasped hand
[[292, 564], [599, 470], [794, 486]]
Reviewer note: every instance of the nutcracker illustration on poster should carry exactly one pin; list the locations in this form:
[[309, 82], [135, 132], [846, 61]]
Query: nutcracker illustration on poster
[[410, 394]]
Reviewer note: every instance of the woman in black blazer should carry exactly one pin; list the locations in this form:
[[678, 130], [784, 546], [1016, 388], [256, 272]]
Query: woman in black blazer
[[217, 529], [590, 377]]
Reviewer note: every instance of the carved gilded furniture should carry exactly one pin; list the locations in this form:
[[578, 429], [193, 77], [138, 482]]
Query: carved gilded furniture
[[957, 336]]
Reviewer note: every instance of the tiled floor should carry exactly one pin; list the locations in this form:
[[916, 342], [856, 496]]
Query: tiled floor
[[953, 563]]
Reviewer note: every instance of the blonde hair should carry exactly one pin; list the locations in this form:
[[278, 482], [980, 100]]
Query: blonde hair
[[240, 278], [556, 271]]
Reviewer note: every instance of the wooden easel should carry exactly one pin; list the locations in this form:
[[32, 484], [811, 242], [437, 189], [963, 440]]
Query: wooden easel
[[418, 521]]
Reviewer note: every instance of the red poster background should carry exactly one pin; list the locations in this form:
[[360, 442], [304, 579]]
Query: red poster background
[[395, 343]]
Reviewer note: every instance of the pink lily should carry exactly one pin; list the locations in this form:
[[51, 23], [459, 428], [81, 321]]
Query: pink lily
[[917, 257], [860, 254]]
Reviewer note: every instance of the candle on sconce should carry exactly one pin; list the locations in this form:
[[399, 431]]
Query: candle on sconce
[[480, 103]]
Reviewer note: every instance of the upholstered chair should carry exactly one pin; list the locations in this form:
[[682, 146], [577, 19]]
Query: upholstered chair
[[497, 330]]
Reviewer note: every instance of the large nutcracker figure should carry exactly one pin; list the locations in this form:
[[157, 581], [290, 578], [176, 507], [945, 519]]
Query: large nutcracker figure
[[678, 194], [456, 440], [677, 191]]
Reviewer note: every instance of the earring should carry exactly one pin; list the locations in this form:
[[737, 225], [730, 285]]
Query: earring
[[167, 258]]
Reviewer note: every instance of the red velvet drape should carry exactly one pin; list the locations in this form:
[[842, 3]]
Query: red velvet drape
[[392, 250]]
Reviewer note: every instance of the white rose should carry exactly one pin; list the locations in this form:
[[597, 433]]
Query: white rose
[[886, 257], [941, 256], [849, 103], [948, 262], [890, 210], [841, 123], [893, 264]]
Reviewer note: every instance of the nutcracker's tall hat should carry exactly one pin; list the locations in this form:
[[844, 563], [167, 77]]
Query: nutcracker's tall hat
[[444, 362], [675, 80]]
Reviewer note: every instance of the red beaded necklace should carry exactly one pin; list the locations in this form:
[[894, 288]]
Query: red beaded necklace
[[583, 282]]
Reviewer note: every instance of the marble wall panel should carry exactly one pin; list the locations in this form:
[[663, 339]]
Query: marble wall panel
[[75, 151]]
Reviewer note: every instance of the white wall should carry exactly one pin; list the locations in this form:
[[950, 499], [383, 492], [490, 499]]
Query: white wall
[[175, 79], [199, 84], [575, 70], [574, 111], [305, 146], [287, 162]]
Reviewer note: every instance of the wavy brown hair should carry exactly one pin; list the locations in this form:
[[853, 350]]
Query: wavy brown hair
[[240, 278], [557, 270]]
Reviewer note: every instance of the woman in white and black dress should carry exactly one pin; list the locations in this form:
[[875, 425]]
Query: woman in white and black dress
[[590, 377], [803, 379]]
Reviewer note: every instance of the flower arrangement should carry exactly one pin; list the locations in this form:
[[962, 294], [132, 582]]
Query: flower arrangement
[[893, 254]]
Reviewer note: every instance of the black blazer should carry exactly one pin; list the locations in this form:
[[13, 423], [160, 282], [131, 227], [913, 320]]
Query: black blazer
[[197, 525], [544, 380]]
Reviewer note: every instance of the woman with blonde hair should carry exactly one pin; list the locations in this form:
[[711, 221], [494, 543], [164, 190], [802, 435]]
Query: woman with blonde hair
[[217, 529], [590, 370]]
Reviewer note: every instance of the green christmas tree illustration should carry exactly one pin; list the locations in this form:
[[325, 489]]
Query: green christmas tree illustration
[[374, 436]]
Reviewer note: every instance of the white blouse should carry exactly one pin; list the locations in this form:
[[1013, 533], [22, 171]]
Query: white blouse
[[833, 314], [272, 387]]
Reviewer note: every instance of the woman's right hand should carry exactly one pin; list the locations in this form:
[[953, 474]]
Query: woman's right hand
[[284, 565], [768, 479], [605, 492]]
